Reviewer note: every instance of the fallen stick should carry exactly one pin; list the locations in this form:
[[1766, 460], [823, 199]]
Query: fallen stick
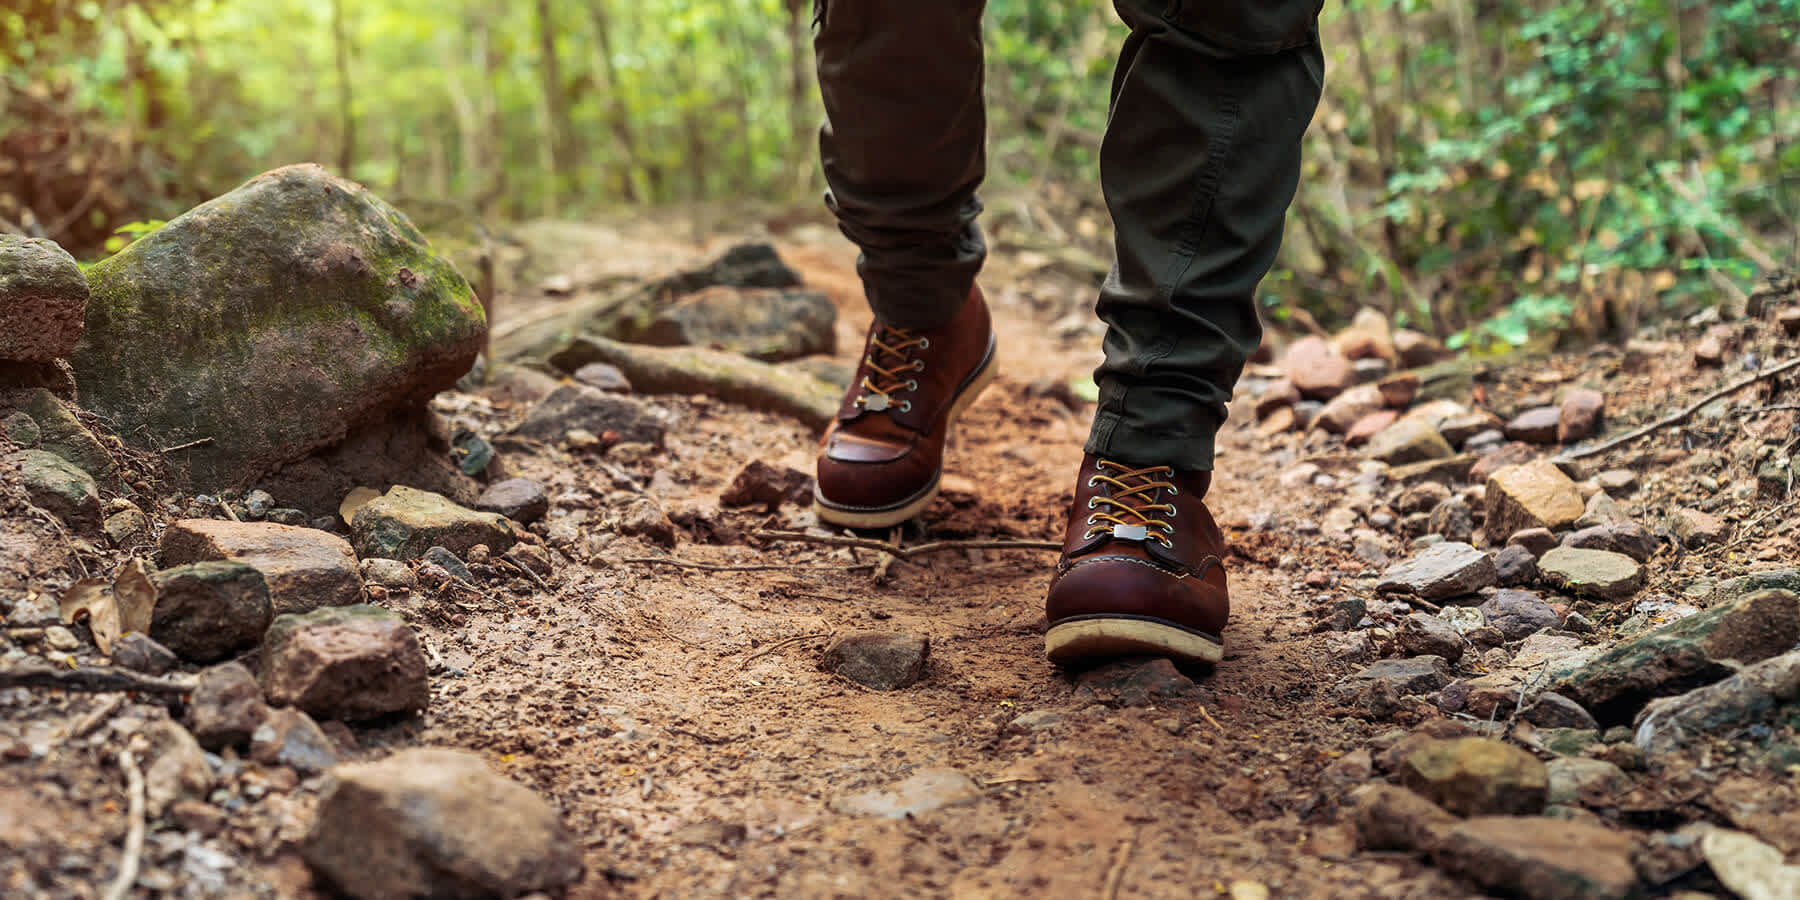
[[187, 446], [746, 567], [134, 837], [784, 642], [1687, 413], [902, 552], [94, 679], [95, 719]]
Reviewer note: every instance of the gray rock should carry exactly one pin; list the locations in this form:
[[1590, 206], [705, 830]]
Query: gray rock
[[601, 376], [1760, 692], [1692, 652], [1421, 498], [1588, 782], [1448, 569], [642, 515], [1519, 614], [1514, 566], [43, 299], [227, 707], [575, 406], [1617, 482], [61, 432], [389, 573], [449, 562], [1628, 538], [289, 737], [436, 823], [305, 568], [1593, 573], [1424, 635], [519, 499], [404, 523], [884, 661], [345, 662], [336, 314], [174, 766], [1553, 710], [1135, 682], [1601, 510], [768, 324], [1401, 677], [135, 650], [1534, 426], [126, 527], [1408, 441], [20, 428], [1538, 541], [33, 610], [208, 611], [1454, 520], [56, 485], [1540, 858]]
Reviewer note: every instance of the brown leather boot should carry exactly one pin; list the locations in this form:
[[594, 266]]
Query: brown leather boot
[[880, 460], [1141, 571]]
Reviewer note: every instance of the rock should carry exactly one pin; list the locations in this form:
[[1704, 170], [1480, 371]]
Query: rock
[[1748, 867], [210, 610], [126, 527], [1458, 429], [1709, 352], [925, 791], [1421, 498], [61, 432], [577, 406], [43, 297], [759, 482], [1696, 529], [1592, 573], [1617, 482], [1279, 395], [305, 568], [1454, 520], [20, 428], [1686, 654], [404, 523], [1423, 635], [1408, 441], [600, 376], [1579, 417], [1316, 369], [1628, 538], [428, 822], [1534, 426], [1403, 677], [1135, 682], [642, 515], [785, 390], [135, 650], [1540, 858], [1369, 426], [388, 573], [336, 314], [768, 324], [289, 737], [174, 767], [1416, 350], [1532, 495], [57, 486], [1600, 510], [884, 661], [1393, 818], [1448, 569], [519, 499], [227, 707], [1789, 320], [345, 662], [1398, 391], [1553, 710], [1537, 541], [1519, 614], [1368, 337], [1514, 566], [1757, 693], [1347, 408], [531, 558], [1587, 782], [1475, 776], [449, 562]]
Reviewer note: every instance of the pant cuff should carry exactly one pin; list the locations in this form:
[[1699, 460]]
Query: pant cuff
[[1188, 450]]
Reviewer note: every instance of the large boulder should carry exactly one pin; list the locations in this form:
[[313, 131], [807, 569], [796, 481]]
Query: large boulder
[[42, 298], [269, 323]]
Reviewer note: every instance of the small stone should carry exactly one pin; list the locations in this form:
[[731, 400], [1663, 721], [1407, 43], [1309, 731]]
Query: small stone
[[1036, 720], [1316, 369], [1492, 443], [578, 407], [1628, 538], [1600, 510], [1448, 569], [1454, 520], [603, 376], [1533, 495], [305, 568], [925, 791], [761, 483], [1424, 635], [1696, 529], [1278, 395], [519, 499], [1540, 858], [296, 518], [1592, 573], [1709, 353], [1403, 677], [1417, 349], [175, 767], [1398, 391], [1617, 482], [60, 638], [59, 487], [642, 515], [1408, 441], [1519, 614], [388, 573], [1535, 426], [136, 651], [227, 707], [1588, 782], [429, 822], [1459, 429], [20, 428], [449, 562], [1393, 818], [404, 523], [345, 662], [1476, 776], [126, 527], [1789, 320], [289, 737], [1579, 417], [192, 815], [1278, 422], [883, 661], [1347, 408], [1368, 337], [1553, 710], [531, 558], [1421, 498], [1136, 682], [1369, 426], [1536, 540], [210, 610], [1514, 566]]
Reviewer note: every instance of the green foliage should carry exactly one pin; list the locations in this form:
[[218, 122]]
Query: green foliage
[[131, 231]]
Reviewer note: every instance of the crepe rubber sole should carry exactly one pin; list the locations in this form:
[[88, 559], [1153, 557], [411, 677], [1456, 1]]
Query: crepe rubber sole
[[1086, 639]]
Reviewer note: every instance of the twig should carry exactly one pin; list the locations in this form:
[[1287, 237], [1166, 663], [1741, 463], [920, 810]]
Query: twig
[[887, 562], [94, 679], [1115, 876], [1687, 413], [752, 567], [780, 644], [134, 837], [92, 720], [707, 739], [1211, 721], [187, 446], [902, 552]]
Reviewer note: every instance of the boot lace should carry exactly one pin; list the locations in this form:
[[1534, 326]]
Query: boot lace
[[1126, 509], [891, 367]]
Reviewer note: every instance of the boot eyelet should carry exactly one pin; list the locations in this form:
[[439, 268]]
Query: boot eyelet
[[1091, 502], [1090, 520], [912, 384], [1093, 481], [924, 343], [1174, 491], [906, 406], [918, 365]]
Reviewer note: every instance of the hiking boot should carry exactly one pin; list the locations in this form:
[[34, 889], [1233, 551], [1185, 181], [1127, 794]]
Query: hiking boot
[[880, 460], [1141, 571]]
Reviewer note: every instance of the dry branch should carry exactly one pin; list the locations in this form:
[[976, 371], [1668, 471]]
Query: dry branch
[[93, 679], [134, 836], [1686, 413], [902, 552]]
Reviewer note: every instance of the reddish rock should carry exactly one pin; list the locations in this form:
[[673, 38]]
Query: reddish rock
[[1398, 391], [1512, 454], [1317, 369], [759, 482], [1416, 349], [346, 662], [1696, 529], [1368, 337], [227, 707], [1580, 416], [1278, 395], [1536, 541], [305, 568], [1535, 426], [1348, 408], [1370, 425]]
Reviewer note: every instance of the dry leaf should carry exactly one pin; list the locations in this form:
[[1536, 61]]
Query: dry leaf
[[134, 596], [354, 501], [92, 598]]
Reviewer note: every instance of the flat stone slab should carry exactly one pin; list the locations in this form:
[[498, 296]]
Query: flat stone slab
[[1593, 573], [305, 568], [1448, 569]]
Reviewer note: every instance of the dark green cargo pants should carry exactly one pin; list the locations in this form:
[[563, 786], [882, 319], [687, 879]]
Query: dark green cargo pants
[[1200, 161]]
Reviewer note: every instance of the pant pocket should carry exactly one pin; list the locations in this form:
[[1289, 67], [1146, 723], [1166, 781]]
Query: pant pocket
[[1247, 27]]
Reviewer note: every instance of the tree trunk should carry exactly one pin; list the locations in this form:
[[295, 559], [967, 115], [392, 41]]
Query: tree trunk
[[347, 139], [618, 112], [556, 98], [802, 127]]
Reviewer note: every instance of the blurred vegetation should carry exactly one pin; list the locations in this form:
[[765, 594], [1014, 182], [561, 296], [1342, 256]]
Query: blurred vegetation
[[1488, 170]]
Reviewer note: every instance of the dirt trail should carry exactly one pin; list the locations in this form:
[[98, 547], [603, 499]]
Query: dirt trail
[[679, 718]]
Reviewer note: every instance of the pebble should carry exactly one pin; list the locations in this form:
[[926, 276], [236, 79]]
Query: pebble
[[1421, 498], [1346, 408], [1426, 635], [1617, 482], [1580, 415], [289, 737], [1454, 520], [1514, 566], [1588, 782], [1628, 538], [1316, 369], [449, 562], [1696, 529], [1593, 573], [578, 407], [519, 499], [347, 662], [761, 483], [207, 611], [882, 661], [137, 651], [1476, 776], [1443, 570], [227, 707], [126, 527], [1408, 441], [1531, 495], [404, 523], [388, 573], [1535, 426], [1519, 614]]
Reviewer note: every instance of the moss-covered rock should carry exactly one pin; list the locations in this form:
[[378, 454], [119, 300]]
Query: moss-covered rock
[[61, 433], [42, 297], [404, 523], [268, 323], [60, 487]]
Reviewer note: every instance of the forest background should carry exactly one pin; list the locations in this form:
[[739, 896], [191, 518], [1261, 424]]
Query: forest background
[[1498, 172]]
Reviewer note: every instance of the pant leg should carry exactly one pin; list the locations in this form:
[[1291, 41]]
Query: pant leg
[[1200, 161], [902, 148]]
